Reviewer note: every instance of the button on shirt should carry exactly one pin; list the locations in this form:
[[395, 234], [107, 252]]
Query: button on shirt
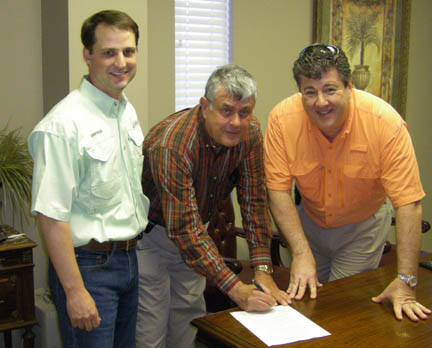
[[347, 180], [87, 166], [186, 174]]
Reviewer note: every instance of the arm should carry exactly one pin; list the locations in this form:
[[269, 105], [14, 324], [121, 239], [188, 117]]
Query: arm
[[252, 197], [174, 181], [81, 308], [303, 268], [408, 237]]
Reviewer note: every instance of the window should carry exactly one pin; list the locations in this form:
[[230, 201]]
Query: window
[[202, 39]]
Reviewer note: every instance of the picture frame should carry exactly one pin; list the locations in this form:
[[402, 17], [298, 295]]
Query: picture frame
[[374, 34]]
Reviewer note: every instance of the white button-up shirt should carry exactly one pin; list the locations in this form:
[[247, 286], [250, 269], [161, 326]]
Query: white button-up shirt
[[87, 166]]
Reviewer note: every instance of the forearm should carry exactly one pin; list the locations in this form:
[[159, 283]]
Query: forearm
[[287, 219], [408, 237], [58, 240]]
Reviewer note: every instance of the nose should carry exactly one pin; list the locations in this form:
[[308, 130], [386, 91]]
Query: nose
[[321, 100], [235, 120], [120, 60]]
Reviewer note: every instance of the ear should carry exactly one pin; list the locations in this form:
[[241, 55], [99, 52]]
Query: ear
[[204, 103], [87, 55]]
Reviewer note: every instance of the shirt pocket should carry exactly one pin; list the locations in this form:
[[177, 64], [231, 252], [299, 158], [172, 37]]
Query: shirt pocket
[[136, 139], [104, 183], [360, 180], [309, 176]]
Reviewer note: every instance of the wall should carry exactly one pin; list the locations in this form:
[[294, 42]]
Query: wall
[[267, 36], [418, 101], [161, 78], [21, 87]]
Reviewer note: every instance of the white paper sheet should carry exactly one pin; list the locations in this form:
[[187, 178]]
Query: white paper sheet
[[280, 325]]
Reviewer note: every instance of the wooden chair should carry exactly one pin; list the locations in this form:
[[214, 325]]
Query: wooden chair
[[224, 233]]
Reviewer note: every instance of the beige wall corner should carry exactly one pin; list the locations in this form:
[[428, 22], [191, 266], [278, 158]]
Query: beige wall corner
[[161, 72], [418, 101]]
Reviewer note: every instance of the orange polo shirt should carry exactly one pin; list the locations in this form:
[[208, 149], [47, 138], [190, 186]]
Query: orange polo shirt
[[347, 180]]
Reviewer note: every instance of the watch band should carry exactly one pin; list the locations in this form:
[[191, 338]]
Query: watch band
[[408, 279], [264, 268]]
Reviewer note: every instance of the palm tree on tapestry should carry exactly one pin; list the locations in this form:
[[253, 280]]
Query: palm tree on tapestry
[[361, 31]]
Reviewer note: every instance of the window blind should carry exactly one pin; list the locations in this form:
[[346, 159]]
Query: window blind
[[202, 43]]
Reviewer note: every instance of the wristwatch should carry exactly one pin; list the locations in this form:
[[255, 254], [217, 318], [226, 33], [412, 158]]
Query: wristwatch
[[408, 279], [264, 268]]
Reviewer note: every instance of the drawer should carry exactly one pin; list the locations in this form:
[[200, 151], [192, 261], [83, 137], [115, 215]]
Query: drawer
[[9, 294], [10, 258]]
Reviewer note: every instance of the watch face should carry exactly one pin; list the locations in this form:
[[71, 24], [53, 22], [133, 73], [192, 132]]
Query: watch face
[[412, 281]]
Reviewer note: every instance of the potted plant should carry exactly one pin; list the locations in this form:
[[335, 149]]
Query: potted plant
[[16, 168], [361, 32]]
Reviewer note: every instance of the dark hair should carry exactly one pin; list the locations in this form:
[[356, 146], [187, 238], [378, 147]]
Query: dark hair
[[117, 19], [317, 59], [235, 80]]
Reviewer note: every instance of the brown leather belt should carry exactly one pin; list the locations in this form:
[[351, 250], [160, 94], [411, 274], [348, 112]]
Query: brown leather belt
[[108, 246]]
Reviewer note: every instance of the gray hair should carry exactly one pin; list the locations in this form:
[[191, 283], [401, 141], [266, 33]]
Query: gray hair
[[235, 80]]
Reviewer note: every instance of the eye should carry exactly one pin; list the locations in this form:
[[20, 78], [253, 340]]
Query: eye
[[244, 113], [226, 111], [129, 52], [330, 91], [310, 93], [108, 53]]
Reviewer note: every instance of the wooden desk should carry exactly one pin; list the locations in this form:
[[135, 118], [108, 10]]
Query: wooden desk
[[16, 287], [344, 308]]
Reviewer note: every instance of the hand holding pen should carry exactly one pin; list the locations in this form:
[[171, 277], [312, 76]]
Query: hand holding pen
[[258, 286], [280, 296]]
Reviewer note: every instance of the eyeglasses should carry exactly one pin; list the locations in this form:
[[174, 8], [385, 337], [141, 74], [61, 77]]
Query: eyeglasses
[[334, 50]]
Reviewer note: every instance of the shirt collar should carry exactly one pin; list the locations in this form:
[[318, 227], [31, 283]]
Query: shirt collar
[[103, 101]]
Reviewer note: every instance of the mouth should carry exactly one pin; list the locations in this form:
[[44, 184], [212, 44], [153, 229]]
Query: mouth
[[233, 133], [118, 73], [323, 113]]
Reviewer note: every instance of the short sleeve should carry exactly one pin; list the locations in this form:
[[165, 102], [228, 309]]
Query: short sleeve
[[400, 173], [55, 175], [277, 170]]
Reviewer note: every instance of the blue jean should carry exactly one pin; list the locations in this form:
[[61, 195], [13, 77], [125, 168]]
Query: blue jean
[[111, 278]]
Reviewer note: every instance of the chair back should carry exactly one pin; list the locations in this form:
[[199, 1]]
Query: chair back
[[222, 229]]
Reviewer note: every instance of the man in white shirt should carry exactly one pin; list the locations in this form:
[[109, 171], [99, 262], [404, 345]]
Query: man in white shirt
[[87, 191]]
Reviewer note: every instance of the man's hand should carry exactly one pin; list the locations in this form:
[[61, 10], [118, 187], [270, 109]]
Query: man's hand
[[270, 287], [80, 305], [303, 274], [404, 301], [250, 299], [82, 310]]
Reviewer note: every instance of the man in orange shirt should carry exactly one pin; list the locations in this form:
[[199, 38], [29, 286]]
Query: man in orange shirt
[[347, 151]]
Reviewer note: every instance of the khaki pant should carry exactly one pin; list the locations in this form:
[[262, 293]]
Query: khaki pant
[[350, 249], [170, 294]]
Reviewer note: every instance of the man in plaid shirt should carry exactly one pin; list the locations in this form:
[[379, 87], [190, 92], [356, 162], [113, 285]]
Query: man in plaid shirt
[[192, 160]]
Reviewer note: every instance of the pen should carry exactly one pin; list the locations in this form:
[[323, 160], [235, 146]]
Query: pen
[[259, 287]]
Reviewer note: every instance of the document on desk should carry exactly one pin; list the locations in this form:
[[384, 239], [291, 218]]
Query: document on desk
[[280, 325]]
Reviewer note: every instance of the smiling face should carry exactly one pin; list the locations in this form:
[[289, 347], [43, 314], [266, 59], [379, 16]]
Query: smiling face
[[112, 61], [227, 119], [326, 101]]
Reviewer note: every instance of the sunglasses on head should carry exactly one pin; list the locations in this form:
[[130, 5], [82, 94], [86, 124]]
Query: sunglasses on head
[[334, 50]]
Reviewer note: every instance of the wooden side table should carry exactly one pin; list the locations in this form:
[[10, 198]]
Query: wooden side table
[[17, 308]]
